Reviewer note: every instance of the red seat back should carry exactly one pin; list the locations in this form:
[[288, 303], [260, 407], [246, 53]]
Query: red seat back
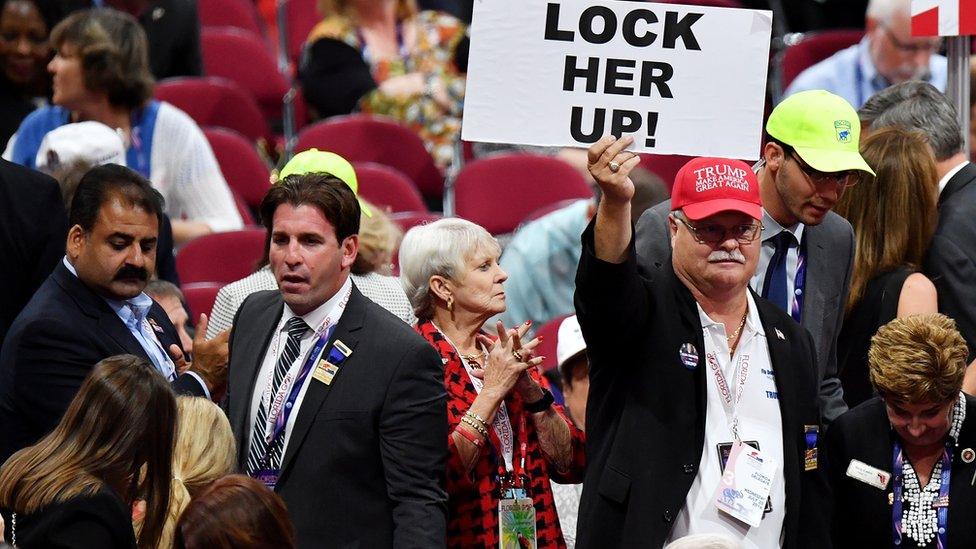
[[499, 192], [365, 138], [301, 16], [665, 166], [550, 340], [240, 56], [216, 102], [221, 257], [243, 169], [200, 298], [812, 48], [240, 14], [386, 187]]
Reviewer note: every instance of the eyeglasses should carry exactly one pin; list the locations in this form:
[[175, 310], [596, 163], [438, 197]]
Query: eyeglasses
[[843, 179], [909, 48], [713, 233]]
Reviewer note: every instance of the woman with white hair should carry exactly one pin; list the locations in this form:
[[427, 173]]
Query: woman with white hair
[[507, 438]]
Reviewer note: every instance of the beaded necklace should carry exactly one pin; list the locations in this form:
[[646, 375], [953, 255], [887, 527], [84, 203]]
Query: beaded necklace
[[921, 513]]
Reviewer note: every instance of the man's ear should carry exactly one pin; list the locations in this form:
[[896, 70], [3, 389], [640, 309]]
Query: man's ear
[[774, 155], [349, 248], [74, 243]]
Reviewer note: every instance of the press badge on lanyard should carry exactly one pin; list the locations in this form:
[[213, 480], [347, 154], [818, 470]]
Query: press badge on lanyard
[[516, 511]]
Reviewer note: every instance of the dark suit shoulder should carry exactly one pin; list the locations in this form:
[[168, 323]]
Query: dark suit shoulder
[[860, 418], [91, 520], [259, 300]]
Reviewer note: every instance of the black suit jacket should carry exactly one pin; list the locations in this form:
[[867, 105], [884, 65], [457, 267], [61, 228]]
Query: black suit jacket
[[99, 520], [951, 259], [862, 515], [50, 349], [645, 416], [364, 466], [33, 226]]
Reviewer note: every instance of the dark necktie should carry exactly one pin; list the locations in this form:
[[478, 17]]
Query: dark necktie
[[775, 285], [296, 328]]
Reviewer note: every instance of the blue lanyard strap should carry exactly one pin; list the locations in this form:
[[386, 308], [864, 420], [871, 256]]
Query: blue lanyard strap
[[335, 357], [800, 280], [898, 483]]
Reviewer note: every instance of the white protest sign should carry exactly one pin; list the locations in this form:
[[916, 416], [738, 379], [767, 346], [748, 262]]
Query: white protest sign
[[681, 79]]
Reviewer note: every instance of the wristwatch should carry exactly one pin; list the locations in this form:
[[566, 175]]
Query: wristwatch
[[542, 404]]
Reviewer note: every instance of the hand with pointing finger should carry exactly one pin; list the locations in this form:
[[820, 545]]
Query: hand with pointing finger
[[209, 357]]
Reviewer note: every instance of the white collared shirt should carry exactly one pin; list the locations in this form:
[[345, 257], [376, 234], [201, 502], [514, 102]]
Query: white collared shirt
[[759, 419], [949, 174], [772, 228], [334, 307]]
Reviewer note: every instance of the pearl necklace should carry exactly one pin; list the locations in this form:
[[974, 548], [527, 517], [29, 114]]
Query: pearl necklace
[[919, 518]]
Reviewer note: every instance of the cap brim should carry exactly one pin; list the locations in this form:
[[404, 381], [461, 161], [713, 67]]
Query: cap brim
[[833, 161], [709, 208]]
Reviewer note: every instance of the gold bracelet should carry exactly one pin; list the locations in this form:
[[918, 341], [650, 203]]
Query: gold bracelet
[[479, 428], [476, 417]]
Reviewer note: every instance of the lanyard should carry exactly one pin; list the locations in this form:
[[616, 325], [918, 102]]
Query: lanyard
[[898, 483], [279, 414], [729, 401], [800, 280], [509, 463]]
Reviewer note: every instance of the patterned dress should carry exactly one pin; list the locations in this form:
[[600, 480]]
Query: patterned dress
[[438, 35], [473, 511]]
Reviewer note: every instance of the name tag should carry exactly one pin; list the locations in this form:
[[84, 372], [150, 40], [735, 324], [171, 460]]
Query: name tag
[[858, 470], [325, 371], [516, 524], [746, 484]]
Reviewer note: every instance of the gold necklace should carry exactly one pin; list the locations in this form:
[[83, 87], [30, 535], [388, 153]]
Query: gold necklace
[[735, 334], [476, 358]]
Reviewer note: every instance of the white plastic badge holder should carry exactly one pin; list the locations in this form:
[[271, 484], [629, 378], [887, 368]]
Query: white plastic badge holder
[[746, 484]]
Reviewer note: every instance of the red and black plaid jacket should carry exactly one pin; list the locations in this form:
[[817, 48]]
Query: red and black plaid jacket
[[473, 500]]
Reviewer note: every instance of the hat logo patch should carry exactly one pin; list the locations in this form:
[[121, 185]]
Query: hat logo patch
[[843, 129], [720, 175]]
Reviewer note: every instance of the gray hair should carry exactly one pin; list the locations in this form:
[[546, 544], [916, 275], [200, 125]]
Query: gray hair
[[917, 106], [884, 10], [158, 288], [439, 248]]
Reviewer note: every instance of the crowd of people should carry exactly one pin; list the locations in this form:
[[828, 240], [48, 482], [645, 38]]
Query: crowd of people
[[766, 355]]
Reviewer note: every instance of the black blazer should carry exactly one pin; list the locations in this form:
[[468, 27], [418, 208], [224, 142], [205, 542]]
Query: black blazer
[[951, 259], [364, 466], [100, 520], [50, 349], [33, 225], [862, 515], [645, 415]]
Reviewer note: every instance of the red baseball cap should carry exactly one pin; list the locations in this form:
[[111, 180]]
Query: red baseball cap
[[707, 186]]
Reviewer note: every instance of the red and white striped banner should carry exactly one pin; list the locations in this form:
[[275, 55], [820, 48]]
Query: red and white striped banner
[[943, 17]]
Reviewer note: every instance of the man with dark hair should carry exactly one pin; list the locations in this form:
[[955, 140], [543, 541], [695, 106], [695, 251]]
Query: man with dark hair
[[807, 252], [331, 398], [951, 259], [93, 306]]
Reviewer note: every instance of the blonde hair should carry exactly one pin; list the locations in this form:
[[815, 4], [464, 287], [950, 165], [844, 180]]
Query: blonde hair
[[918, 359], [204, 452], [328, 8], [378, 239], [893, 213]]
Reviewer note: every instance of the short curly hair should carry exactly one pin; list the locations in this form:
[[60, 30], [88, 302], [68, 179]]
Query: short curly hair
[[918, 359], [114, 54]]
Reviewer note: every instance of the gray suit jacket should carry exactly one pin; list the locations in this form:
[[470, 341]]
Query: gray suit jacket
[[364, 466], [830, 259]]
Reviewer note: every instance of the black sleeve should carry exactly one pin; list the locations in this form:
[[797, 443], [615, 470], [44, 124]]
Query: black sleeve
[[97, 521], [334, 77]]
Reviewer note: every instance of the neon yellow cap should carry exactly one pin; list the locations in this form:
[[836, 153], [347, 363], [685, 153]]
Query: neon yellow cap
[[316, 161], [822, 127]]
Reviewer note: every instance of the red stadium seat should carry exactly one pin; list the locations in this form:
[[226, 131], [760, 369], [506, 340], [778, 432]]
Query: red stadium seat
[[244, 58], [364, 138], [810, 49], [547, 347], [301, 17], [220, 257], [499, 192], [240, 14], [408, 220], [665, 166], [386, 187], [245, 172], [216, 102], [200, 297]]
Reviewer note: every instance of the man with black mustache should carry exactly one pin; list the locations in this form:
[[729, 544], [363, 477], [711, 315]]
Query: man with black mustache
[[93, 306]]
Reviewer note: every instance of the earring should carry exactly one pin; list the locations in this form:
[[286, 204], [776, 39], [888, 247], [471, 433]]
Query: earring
[[450, 303]]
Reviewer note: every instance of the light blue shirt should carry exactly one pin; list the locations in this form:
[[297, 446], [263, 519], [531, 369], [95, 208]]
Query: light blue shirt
[[134, 314], [541, 263], [850, 73]]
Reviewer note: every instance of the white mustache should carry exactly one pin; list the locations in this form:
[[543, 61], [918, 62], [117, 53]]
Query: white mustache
[[722, 255]]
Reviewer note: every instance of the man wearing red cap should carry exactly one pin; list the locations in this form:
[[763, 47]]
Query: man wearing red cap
[[702, 414]]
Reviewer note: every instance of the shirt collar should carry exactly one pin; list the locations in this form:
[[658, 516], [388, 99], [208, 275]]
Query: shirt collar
[[771, 228], [753, 322], [949, 175], [138, 305], [317, 316]]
